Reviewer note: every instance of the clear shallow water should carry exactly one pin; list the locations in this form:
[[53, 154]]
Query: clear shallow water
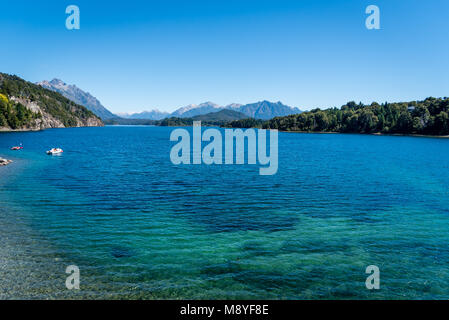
[[139, 227]]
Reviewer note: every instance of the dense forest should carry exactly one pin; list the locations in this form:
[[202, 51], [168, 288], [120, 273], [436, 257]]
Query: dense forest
[[15, 115], [428, 117]]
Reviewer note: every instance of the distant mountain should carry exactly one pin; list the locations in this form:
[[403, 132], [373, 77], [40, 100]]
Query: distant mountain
[[27, 106], [260, 110], [78, 96], [233, 106], [195, 110], [189, 111], [147, 115], [222, 115], [263, 110], [266, 110]]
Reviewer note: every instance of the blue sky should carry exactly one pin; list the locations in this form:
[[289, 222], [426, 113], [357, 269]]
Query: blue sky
[[140, 55]]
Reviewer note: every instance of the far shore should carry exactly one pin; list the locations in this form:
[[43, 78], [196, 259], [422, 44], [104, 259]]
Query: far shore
[[19, 130], [294, 131], [372, 134], [5, 130]]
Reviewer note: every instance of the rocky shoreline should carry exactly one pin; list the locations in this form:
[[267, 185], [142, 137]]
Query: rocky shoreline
[[4, 162]]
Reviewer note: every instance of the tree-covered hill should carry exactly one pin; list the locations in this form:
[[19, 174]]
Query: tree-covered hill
[[428, 117], [27, 106], [219, 118], [222, 115]]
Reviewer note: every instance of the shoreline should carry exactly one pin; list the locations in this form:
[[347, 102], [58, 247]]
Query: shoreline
[[373, 134], [409, 135], [6, 130], [3, 130]]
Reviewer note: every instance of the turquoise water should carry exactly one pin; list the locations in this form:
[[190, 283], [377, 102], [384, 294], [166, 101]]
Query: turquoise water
[[139, 227]]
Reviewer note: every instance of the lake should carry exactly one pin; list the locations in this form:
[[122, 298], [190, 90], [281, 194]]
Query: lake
[[138, 226]]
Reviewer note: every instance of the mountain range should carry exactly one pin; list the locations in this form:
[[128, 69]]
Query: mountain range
[[78, 96], [147, 115], [260, 110], [263, 110]]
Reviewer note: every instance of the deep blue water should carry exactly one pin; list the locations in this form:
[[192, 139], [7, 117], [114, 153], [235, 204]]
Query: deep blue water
[[138, 226]]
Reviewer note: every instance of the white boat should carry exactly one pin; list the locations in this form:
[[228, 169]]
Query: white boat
[[55, 151]]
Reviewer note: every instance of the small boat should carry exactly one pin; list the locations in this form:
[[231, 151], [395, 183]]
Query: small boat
[[17, 148], [55, 151]]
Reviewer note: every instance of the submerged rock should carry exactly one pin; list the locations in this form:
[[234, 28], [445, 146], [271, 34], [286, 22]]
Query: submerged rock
[[4, 162]]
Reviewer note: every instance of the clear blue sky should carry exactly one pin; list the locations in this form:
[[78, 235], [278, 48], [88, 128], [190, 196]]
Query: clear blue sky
[[139, 55]]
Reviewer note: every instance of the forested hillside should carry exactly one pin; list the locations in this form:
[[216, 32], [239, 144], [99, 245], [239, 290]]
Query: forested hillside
[[428, 117], [27, 106]]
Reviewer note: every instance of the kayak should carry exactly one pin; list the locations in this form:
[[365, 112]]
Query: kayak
[[16, 148]]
